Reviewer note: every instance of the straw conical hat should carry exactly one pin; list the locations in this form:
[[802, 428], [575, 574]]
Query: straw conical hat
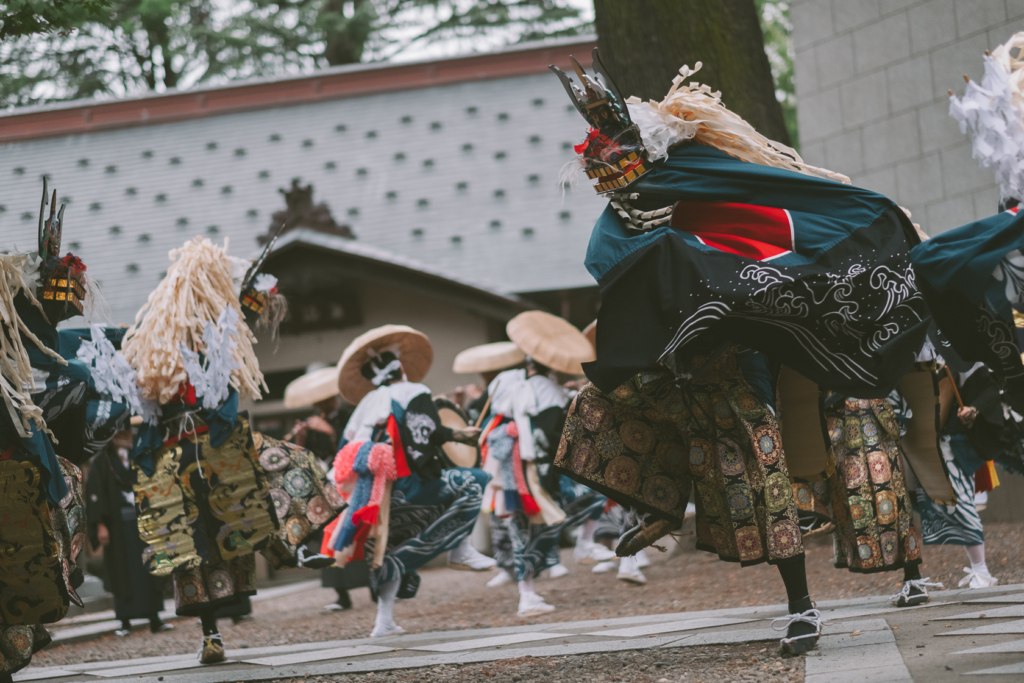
[[550, 340], [488, 357], [412, 347], [312, 387], [590, 332]]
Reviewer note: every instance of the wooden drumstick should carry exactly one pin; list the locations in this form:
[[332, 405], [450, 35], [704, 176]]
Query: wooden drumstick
[[956, 392]]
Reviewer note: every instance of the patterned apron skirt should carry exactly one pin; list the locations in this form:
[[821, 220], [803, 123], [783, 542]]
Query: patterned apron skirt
[[647, 443], [304, 502], [39, 545], [202, 515], [870, 503]]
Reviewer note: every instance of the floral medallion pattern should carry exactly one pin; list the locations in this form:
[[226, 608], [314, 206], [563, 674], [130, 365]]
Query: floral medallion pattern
[[867, 492], [647, 444]]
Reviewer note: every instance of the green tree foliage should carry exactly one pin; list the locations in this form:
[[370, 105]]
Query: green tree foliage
[[778, 45], [140, 45], [27, 17]]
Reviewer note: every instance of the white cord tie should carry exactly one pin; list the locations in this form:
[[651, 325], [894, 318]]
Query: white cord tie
[[921, 584], [986, 578], [635, 519], [811, 616]]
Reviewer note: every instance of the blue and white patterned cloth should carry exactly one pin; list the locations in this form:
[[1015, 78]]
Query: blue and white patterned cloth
[[428, 518], [948, 524], [524, 549]]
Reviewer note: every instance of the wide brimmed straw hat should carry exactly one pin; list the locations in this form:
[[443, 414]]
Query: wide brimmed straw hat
[[411, 346], [590, 332], [313, 387], [488, 357], [551, 340]]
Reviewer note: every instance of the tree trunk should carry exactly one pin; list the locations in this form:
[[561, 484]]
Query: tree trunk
[[644, 42], [343, 46]]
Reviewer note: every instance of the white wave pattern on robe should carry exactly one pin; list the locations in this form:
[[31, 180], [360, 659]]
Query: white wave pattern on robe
[[212, 379], [114, 376], [992, 114]]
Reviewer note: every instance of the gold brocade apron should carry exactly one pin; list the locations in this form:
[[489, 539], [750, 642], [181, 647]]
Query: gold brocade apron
[[31, 579], [203, 505], [870, 503], [644, 444]]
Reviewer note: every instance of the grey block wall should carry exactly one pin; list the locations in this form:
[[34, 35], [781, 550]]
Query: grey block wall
[[871, 80]]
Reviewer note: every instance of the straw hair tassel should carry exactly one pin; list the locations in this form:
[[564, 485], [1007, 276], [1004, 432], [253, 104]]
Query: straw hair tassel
[[196, 290]]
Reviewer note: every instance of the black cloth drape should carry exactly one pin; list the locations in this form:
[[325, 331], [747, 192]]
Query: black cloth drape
[[109, 501]]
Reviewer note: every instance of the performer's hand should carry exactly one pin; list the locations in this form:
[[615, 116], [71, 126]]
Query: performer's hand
[[103, 534], [319, 424], [967, 415], [297, 435], [469, 435]]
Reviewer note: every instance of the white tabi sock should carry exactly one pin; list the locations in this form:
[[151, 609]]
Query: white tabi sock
[[587, 531], [386, 605]]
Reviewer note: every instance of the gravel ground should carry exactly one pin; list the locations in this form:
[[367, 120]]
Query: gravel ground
[[718, 664], [680, 580]]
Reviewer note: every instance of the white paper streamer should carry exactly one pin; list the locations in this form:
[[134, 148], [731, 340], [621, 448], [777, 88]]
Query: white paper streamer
[[992, 114], [212, 380], [114, 376]]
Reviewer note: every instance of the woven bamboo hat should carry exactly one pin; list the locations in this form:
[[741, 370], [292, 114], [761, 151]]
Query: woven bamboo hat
[[488, 357], [411, 346], [590, 332], [313, 387], [550, 340]]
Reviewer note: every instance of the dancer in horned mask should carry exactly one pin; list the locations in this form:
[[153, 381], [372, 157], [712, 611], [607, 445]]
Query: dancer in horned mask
[[49, 425], [210, 491], [721, 258]]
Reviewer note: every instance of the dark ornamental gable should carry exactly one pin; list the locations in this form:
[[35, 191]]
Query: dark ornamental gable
[[302, 213]]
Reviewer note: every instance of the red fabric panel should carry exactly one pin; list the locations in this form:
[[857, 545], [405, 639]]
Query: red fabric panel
[[175, 439], [483, 438], [325, 545], [366, 515], [401, 465], [360, 539], [756, 232]]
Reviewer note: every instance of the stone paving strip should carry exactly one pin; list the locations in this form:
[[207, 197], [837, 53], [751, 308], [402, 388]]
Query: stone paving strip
[[1007, 628], [1010, 646], [1000, 598], [496, 641], [668, 627], [96, 625], [842, 658], [847, 637], [319, 655], [1009, 669], [1016, 609], [994, 613]]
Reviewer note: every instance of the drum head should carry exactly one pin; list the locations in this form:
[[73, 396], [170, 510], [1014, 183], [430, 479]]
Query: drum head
[[459, 454]]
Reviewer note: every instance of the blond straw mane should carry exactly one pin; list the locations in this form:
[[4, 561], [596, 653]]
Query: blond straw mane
[[196, 290], [18, 273], [693, 112]]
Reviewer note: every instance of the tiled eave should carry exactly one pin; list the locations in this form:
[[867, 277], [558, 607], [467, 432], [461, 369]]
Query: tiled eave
[[85, 116]]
